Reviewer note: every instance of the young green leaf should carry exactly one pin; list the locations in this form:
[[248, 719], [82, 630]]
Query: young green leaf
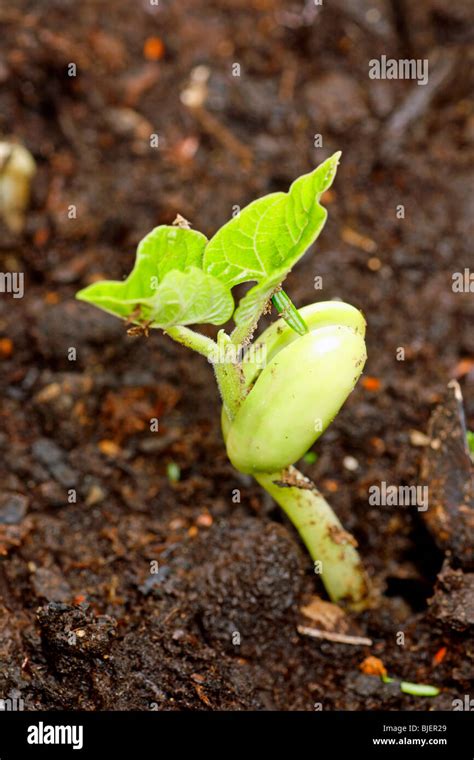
[[166, 286], [268, 237], [188, 298], [169, 247], [181, 298]]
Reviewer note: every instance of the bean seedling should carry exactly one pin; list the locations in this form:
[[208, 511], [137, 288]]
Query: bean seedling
[[280, 391]]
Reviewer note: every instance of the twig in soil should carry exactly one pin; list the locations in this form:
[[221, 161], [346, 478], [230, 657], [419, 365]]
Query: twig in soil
[[415, 105], [414, 26], [356, 13], [338, 638], [216, 129], [202, 695], [286, 88], [194, 97]]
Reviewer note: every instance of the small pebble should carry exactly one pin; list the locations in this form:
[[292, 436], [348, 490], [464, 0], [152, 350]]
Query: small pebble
[[48, 393], [350, 463], [50, 584], [95, 495], [417, 438], [177, 523], [109, 448], [374, 264], [53, 493], [64, 475], [13, 508], [47, 452]]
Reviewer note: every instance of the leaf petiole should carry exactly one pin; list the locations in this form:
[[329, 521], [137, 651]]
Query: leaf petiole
[[194, 340]]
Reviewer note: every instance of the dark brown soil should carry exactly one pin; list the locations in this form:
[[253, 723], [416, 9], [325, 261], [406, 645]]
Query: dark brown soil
[[84, 624]]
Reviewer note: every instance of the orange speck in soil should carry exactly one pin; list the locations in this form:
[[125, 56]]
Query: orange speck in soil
[[79, 599], [344, 44], [371, 383], [51, 298], [204, 520], [109, 448], [6, 348], [153, 49], [463, 367], [41, 237], [377, 444], [439, 656], [331, 485], [193, 531], [373, 666]]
